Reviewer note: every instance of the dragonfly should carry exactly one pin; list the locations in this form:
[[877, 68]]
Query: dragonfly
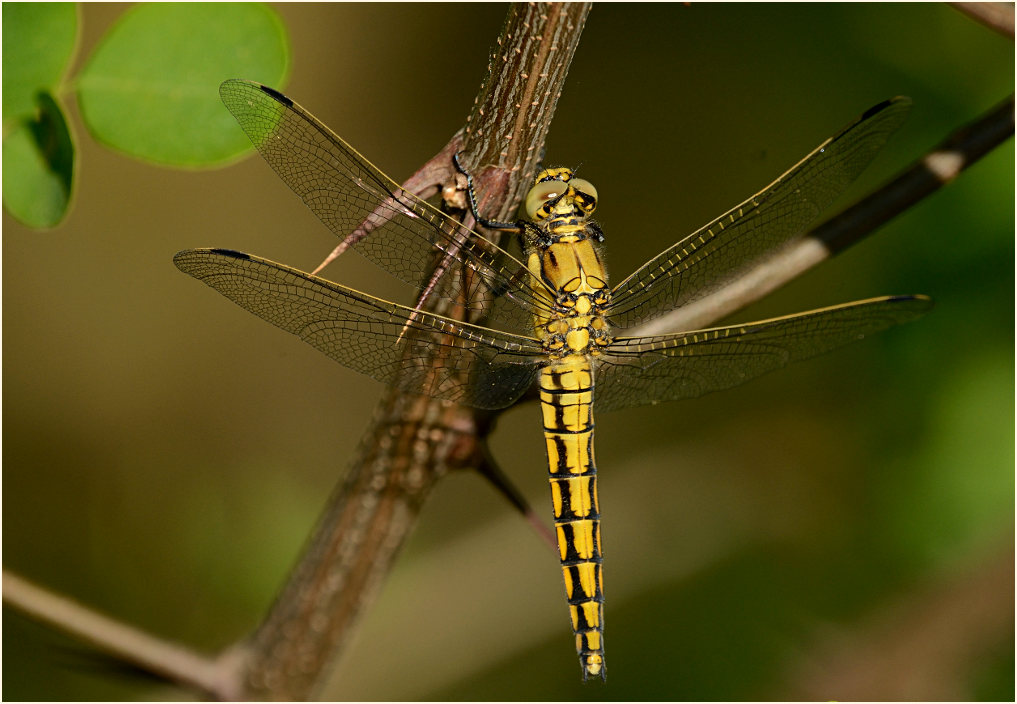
[[549, 319]]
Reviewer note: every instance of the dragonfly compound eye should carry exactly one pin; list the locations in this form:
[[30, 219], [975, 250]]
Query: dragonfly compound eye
[[586, 194], [540, 195]]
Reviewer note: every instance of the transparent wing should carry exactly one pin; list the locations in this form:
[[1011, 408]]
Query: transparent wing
[[414, 350], [705, 260], [639, 371], [393, 228]]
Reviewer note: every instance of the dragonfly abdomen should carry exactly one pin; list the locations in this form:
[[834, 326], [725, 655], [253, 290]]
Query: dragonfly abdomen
[[566, 395]]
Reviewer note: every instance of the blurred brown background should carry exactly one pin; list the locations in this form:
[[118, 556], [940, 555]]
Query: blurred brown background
[[838, 530]]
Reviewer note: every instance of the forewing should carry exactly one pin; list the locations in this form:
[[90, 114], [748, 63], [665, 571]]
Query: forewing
[[639, 371], [392, 227], [725, 248], [414, 350]]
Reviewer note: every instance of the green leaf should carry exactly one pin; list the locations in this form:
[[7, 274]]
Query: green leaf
[[38, 166], [152, 87], [38, 41]]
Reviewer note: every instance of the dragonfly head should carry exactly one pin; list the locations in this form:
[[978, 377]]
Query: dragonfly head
[[557, 193]]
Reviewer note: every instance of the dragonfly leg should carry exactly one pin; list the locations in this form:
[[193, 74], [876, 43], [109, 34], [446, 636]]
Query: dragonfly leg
[[474, 208]]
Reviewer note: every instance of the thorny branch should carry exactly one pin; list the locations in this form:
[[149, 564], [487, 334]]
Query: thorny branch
[[415, 441]]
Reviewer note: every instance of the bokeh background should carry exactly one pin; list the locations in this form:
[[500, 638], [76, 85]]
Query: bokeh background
[[842, 529]]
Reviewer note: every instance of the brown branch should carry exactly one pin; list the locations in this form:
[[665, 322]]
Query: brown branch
[[941, 165], [502, 141], [414, 441], [174, 663], [504, 135], [995, 15]]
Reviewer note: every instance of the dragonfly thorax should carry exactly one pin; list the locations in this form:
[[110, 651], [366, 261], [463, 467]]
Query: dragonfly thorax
[[563, 251]]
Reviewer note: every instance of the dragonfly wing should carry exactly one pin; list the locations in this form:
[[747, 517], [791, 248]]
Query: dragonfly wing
[[639, 371], [723, 249], [392, 227], [412, 349]]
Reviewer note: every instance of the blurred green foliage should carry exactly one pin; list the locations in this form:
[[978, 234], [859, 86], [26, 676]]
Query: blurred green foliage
[[165, 454], [39, 41], [38, 148], [38, 155]]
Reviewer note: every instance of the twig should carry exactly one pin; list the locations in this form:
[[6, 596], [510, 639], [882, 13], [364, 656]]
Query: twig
[[167, 660], [997, 15], [941, 165]]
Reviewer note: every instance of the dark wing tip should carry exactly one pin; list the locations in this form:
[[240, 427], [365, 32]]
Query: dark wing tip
[[920, 301], [194, 261], [232, 253], [228, 84], [276, 95], [877, 108], [901, 101], [186, 254], [880, 120]]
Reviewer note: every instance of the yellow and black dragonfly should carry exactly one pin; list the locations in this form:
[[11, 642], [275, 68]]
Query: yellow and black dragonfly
[[550, 320]]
